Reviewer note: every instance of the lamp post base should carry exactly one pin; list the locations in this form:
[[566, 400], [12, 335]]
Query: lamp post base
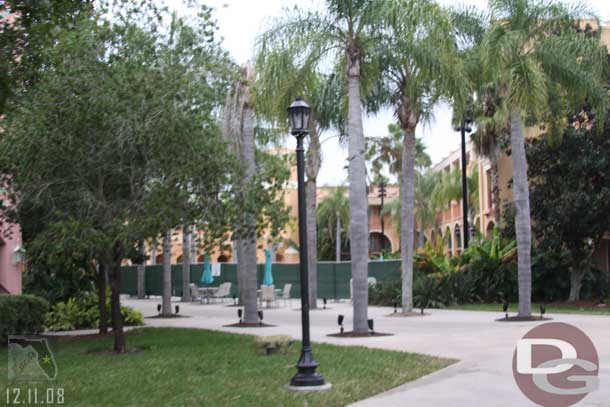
[[306, 375], [309, 389]]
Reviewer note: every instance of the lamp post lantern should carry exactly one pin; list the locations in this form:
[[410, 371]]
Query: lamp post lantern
[[465, 127], [306, 377]]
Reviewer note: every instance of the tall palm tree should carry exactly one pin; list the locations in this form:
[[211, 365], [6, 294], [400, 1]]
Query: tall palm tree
[[387, 150], [541, 66], [278, 82], [333, 212], [342, 32], [238, 129], [421, 65], [166, 298]]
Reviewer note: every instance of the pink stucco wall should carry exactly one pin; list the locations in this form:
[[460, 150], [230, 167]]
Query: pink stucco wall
[[10, 274]]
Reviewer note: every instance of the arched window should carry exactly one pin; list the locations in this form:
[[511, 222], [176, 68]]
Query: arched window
[[449, 238], [458, 236]]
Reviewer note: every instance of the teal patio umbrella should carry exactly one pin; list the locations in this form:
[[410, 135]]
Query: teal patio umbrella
[[268, 277], [207, 277]]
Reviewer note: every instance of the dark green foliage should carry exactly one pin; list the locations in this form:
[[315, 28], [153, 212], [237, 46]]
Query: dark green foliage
[[570, 194], [83, 313], [21, 314]]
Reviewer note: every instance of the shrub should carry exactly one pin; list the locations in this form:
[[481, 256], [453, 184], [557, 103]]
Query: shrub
[[84, 313], [21, 314], [269, 345]]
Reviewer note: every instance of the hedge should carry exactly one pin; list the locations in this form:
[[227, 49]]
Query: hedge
[[21, 315]]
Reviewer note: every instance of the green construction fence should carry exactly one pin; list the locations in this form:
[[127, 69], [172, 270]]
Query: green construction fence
[[333, 277]]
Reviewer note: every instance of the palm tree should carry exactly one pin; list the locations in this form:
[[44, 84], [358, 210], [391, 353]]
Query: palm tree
[[238, 129], [421, 65], [342, 32], [278, 82], [387, 150], [166, 299], [541, 67], [333, 212]]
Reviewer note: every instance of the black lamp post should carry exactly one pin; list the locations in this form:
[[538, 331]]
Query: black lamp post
[[465, 127], [299, 113]]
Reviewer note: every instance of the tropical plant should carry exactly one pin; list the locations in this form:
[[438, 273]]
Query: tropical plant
[[542, 67], [342, 33], [333, 214]]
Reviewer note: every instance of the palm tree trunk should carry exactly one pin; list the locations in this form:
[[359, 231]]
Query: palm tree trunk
[[338, 238], [141, 271], [522, 216], [312, 166], [166, 300], [407, 218], [358, 223], [186, 264], [248, 252], [495, 185]]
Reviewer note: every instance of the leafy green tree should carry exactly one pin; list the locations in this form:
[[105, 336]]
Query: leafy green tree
[[120, 135], [332, 216], [420, 66], [570, 196], [541, 67], [27, 28], [343, 33]]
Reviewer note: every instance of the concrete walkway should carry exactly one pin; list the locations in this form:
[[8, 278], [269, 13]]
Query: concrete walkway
[[484, 348]]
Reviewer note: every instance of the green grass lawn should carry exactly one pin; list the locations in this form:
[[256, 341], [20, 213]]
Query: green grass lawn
[[557, 308], [191, 367]]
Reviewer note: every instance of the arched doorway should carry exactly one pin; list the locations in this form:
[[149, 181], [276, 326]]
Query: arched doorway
[[449, 238], [379, 243], [222, 258], [159, 259], [490, 227]]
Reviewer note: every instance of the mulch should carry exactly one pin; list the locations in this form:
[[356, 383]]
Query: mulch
[[407, 314], [248, 325], [523, 319], [352, 334]]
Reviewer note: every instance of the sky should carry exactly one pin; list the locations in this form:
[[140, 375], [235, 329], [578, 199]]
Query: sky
[[240, 21]]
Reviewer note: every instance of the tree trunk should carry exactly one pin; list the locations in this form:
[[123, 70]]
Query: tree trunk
[[248, 254], [522, 215], [407, 217], [100, 281], [358, 205], [166, 302], [576, 276], [153, 251], [495, 188], [115, 299], [141, 271], [238, 251], [338, 238], [186, 264], [312, 166]]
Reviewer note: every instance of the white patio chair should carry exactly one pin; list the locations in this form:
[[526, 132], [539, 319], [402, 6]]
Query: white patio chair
[[224, 290], [268, 294], [195, 295], [286, 293]]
